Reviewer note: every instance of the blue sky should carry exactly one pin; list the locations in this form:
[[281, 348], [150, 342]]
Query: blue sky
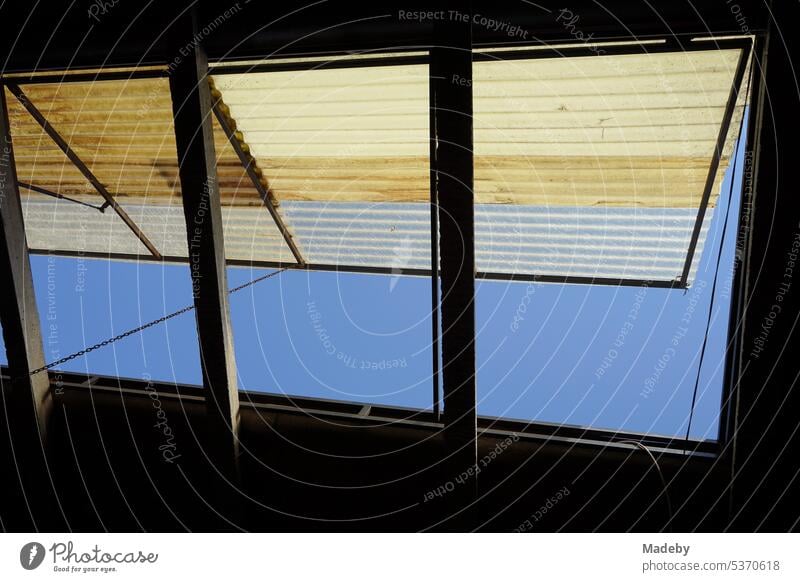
[[607, 357]]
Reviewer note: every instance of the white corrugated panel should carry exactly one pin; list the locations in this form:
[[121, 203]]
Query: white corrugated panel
[[376, 234], [562, 241], [609, 243], [61, 225]]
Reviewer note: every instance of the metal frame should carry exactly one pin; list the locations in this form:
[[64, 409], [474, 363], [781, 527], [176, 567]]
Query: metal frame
[[83, 168], [380, 415], [433, 273], [366, 270], [582, 436], [762, 433], [578, 280], [435, 298], [18, 310]]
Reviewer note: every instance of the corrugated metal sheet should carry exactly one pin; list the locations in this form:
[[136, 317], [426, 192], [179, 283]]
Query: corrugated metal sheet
[[585, 167], [376, 234], [123, 131], [53, 224], [59, 225], [561, 241], [616, 243]]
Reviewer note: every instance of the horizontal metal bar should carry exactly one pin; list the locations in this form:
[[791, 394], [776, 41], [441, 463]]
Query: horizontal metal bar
[[679, 38], [487, 425], [580, 280], [588, 50], [101, 75], [366, 270], [549, 429]]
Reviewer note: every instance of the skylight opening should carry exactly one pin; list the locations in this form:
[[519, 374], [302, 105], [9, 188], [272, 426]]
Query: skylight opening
[[601, 170]]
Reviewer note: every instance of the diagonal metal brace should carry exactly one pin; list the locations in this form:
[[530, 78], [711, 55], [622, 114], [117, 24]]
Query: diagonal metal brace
[[736, 87], [248, 164], [87, 173]]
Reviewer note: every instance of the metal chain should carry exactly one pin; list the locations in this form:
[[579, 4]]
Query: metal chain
[[148, 325]]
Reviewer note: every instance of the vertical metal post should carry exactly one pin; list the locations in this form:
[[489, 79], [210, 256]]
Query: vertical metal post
[[451, 74], [192, 109], [27, 401]]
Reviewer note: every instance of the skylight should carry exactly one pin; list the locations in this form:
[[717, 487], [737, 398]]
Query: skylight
[[591, 169]]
